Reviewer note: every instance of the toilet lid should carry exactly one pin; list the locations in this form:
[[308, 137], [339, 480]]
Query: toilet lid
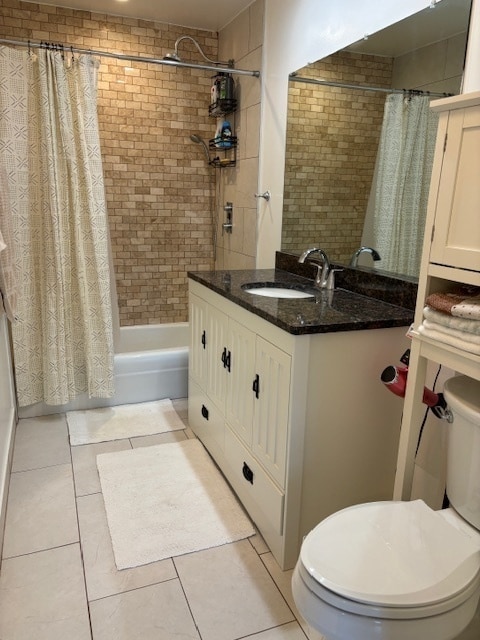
[[391, 553]]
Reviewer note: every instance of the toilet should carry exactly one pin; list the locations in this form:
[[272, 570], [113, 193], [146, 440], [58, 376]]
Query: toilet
[[398, 570]]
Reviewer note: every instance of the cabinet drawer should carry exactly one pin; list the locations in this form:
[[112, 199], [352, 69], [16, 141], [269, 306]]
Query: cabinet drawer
[[262, 499], [205, 420]]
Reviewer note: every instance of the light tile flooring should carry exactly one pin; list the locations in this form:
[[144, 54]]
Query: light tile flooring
[[58, 578]]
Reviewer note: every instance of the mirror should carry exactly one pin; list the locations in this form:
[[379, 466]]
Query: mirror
[[333, 132]]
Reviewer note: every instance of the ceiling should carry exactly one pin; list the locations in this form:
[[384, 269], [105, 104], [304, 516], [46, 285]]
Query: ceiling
[[446, 19], [210, 15]]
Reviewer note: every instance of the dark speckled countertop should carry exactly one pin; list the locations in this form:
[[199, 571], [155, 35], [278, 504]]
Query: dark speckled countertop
[[327, 311]]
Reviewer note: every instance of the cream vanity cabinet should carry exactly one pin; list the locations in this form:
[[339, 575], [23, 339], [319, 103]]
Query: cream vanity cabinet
[[451, 255], [247, 380], [298, 431]]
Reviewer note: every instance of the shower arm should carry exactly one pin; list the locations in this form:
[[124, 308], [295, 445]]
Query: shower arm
[[200, 51]]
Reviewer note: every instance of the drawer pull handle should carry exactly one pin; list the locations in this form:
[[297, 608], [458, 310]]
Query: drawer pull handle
[[256, 386], [204, 412], [204, 339], [224, 357], [228, 360], [247, 473]]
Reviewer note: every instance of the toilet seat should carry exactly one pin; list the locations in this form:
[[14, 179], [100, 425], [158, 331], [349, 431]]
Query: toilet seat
[[391, 556]]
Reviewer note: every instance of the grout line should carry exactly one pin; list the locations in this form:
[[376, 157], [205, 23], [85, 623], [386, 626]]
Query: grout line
[[80, 539], [186, 599]]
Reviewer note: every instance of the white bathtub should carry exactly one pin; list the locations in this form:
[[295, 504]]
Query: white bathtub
[[150, 363]]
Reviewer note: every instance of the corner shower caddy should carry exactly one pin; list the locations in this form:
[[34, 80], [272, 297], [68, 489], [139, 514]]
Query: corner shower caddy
[[225, 156]]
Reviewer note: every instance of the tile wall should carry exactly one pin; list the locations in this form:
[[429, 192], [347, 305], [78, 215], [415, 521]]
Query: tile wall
[[158, 184], [242, 40]]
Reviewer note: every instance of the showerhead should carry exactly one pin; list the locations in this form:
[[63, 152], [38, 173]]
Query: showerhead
[[198, 140], [172, 56]]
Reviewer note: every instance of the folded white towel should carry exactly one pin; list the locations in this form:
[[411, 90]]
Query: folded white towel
[[470, 338], [446, 320], [453, 341]]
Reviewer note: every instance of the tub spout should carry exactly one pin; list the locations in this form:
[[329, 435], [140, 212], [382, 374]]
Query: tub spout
[[323, 269]]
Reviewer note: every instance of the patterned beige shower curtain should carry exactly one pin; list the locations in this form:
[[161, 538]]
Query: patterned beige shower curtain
[[49, 147]]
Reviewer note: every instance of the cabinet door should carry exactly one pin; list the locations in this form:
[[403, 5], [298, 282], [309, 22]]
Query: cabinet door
[[271, 408], [198, 340], [217, 354], [456, 240], [239, 409]]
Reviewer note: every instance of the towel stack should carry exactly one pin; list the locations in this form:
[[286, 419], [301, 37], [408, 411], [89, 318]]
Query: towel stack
[[454, 318]]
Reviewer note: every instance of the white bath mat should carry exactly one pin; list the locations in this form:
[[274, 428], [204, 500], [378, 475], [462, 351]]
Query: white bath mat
[[167, 500], [123, 421]]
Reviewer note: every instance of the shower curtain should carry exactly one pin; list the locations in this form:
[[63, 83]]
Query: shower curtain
[[398, 199], [49, 142]]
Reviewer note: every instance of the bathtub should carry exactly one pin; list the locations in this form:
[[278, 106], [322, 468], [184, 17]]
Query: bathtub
[[150, 363]]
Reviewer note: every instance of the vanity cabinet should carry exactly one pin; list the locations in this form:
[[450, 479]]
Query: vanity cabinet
[[247, 378], [451, 256], [300, 425]]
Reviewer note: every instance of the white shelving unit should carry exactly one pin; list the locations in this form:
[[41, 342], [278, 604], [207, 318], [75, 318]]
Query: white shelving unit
[[451, 255]]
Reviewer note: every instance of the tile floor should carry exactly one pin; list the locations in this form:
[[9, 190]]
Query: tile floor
[[58, 578]]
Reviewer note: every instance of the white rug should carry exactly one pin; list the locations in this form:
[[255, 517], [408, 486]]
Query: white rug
[[167, 500], [123, 421]]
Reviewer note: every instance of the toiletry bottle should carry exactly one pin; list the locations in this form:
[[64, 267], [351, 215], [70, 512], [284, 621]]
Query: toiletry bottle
[[225, 87], [226, 135], [218, 134], [214, 90]]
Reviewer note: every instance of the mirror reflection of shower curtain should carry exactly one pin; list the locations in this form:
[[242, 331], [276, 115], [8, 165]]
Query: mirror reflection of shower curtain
[[49, 139], [395, 220]]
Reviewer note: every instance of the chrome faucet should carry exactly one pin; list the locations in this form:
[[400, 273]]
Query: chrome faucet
[[354, 261], [323, 269]]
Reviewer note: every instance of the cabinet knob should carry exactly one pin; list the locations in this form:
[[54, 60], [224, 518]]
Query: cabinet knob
[[204, 412], [247, 473]]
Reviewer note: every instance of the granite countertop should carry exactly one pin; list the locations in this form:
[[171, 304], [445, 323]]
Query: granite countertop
[[327, 311]]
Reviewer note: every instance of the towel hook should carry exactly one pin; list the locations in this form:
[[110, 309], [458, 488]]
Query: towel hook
[[266, 195]]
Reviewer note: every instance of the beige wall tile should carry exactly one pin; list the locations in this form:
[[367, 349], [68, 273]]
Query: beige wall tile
[[239, 184], [257, 13]]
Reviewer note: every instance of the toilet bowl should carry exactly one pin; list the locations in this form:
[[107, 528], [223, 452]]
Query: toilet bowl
[[400, 570]]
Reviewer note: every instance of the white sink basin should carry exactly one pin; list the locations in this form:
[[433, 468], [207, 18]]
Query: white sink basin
[[276, 292]]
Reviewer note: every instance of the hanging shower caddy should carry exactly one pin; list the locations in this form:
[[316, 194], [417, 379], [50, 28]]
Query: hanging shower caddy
[[223, 104]]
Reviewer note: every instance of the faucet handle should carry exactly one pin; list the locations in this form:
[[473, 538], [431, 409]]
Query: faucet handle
[[331, 279]]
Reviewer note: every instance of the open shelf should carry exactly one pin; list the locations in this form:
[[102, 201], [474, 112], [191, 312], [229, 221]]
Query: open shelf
[[222, 107]]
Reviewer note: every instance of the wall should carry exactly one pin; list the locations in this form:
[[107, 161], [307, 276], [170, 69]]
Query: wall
[[242, 40], [298, 32], [158, 185], [437, 67]]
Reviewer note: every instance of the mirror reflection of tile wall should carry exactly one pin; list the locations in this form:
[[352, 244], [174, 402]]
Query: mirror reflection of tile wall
[[333, 134], [332, 140]]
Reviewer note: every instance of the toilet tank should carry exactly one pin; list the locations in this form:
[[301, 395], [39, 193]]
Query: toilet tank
[[463, 458]]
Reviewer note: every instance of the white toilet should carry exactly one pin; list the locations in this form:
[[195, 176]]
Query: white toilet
[[399, 570]]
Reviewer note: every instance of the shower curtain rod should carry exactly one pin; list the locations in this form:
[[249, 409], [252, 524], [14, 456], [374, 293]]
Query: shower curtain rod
[[342, 85], [122, 56]]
